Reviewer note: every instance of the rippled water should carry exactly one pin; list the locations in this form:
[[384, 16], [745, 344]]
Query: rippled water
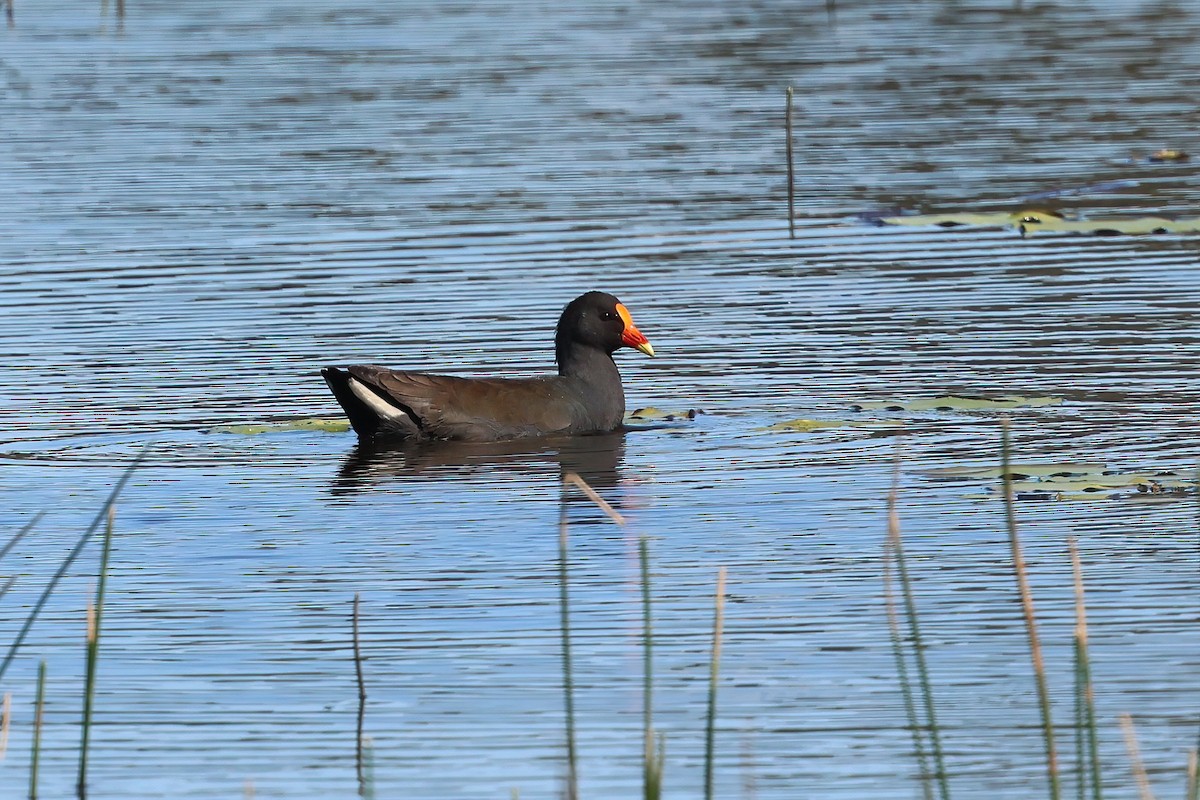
[[203, 204]]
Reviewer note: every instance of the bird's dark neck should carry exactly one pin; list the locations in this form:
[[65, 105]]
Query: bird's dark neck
[[576, 360], [596, 381]]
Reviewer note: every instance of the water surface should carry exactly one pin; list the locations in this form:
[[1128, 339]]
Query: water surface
[[204, 204]]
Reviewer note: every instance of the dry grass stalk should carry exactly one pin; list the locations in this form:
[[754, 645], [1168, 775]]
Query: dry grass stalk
[[1135, 758], [1035, 646], [582, 485], [5, 721]]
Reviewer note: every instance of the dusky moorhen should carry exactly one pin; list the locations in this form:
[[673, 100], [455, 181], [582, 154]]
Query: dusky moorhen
[[584, 397]]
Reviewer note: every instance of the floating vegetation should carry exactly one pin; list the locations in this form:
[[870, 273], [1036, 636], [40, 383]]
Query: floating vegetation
[[1167, 155], [652, 413], [1083, 481], [954, 402], [810, 425], [1031, 221], [309, 424]]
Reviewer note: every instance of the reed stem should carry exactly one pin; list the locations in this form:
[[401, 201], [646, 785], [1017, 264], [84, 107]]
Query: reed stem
[[1193, 780], [16, 537], [791, 167], [1088, 748], [713, 673], [652, 772], [39, 704], [1035, 647], [95, 617], [574, 480], [8, 584], [1135, 758], [69, 560], [368, 788], [910, 707], [918, 646], [5, 722], [359, 769], [572, 788]]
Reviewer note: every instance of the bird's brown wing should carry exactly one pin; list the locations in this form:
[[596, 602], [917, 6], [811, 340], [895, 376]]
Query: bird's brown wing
[[478, 409]]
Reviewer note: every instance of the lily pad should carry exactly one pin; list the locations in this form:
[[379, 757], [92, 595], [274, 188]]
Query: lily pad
[[951, 402], [312, 424], [1032, 221], [1082, 481], [1018, 471]]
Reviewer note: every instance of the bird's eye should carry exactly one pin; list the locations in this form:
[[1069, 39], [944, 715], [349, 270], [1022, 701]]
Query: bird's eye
[[607, 315]]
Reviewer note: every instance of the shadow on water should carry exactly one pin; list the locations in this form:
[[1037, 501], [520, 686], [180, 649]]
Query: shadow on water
[[597, 459]]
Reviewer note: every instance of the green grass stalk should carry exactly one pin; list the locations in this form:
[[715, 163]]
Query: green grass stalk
[[713, 673], [368, 786], [906, 689], [95, 617], [564, 620], [359, 769], [1035, 647], [1087, 746], [914, 625], [1193, 784], [791, 168], [69, 560], [8, 584], [39, 704], [1135, 758], [653, 759]]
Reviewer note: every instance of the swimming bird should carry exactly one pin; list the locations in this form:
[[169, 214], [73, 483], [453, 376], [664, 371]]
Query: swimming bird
[[584, 397]]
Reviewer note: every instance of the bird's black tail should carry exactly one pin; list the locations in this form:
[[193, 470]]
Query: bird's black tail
[[362, 418]]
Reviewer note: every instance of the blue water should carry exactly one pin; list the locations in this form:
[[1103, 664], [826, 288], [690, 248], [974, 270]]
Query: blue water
[[202, 205]]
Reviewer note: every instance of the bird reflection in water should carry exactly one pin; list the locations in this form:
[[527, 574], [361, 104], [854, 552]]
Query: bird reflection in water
[[596, 458]]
